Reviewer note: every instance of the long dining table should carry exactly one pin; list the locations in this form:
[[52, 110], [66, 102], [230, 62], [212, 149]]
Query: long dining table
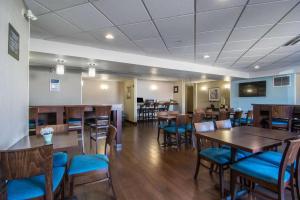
[[247, 138]]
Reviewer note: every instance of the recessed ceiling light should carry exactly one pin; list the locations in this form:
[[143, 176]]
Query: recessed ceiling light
[[256, 67], [109, 36], [206, 56], [227, 78]]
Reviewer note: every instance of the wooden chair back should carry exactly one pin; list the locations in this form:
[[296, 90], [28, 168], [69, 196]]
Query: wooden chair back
[[103, 114], [25, 163], [199, 110], [238, 114], [201, 128], [223, 115], [223, 124], [110, 137], [198, 117], [182, 120], [289, 158], [60, 128]]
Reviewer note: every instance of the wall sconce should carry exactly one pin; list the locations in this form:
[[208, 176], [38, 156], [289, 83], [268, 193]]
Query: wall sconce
[[203, 88], [227, 86], [153, 87], [104, 87]]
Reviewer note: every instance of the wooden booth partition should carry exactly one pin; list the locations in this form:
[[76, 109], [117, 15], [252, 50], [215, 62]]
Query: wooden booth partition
[[83, 112], [264, 113]]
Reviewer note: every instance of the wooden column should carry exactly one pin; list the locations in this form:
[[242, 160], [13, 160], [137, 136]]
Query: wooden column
[[117, 121]]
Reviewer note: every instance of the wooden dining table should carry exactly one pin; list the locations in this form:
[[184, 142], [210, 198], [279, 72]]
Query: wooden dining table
[[250, 139], [61, 142]]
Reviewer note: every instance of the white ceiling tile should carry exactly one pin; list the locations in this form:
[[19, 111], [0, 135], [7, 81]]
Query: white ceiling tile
[[60, 4], [169, 8], [176, 26], [207, 48], [141, 30], [226, 60], [39, 33], [212, 37], [294, 15], [85, 16], [258, 52], [238, 45], [272, 42], [262, 1], [236, 54], [152, 45], [266, 13], [119, 43], [182, 50], [242, 64], [35, 7], [205, 5], [54, 24], [177, 31], [272, 58], [123, 12], [178, 41], [217, 19], [285, 29], [249, 33]]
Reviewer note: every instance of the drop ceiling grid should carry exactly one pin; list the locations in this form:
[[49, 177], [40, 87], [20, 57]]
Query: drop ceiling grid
[[223, 34]]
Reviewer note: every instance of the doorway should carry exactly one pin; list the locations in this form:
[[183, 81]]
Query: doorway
[[189, 98]]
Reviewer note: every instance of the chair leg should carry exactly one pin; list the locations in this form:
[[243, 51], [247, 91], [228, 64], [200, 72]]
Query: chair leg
[[158, 133], [96, 141], [197, 167], [111, 184], [211, 169], [221, 179], [71, 186], [233, 177], [62, 197], [90, 138], [178, 139]]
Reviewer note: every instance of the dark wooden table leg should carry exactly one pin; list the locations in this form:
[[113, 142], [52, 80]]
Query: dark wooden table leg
[[117, 119]]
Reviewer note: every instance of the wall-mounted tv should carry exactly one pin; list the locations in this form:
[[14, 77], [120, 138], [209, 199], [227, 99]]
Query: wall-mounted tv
[[252, 89]]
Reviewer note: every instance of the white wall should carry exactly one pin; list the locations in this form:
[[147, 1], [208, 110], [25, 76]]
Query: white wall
[[39, 88], [297, 89], [93, 94], [13, 75], [163, 91]]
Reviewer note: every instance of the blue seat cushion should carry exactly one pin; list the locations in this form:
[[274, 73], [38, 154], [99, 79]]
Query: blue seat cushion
[[259, 169], [87, 163], [282, 123], [221, 155], [172, 129], [165, 124], [246, 121], [33, 187], [241, 153], [190, 127], [272, 157], [60, 159]]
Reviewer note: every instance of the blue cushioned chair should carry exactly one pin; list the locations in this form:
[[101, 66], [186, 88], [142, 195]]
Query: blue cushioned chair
[[163, 123], [281, 124], [226, 124], [60, 159], [83, 165], [207, 151], [236, 120], [29, 174], [178, 131], [271, 176]]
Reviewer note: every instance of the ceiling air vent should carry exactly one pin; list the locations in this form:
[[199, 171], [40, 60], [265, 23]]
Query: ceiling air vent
[[279, 81], [293, 41]]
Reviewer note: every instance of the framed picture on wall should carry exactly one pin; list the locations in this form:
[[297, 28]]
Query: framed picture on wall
[[54, 85], [13, 42], [214, 94], [175, 89], [128, 92]]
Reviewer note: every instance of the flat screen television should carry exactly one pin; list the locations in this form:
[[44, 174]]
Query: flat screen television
[[252, 89]]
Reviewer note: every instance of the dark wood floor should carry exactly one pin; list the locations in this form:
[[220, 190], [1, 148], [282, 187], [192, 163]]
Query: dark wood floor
[[144, 170]]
